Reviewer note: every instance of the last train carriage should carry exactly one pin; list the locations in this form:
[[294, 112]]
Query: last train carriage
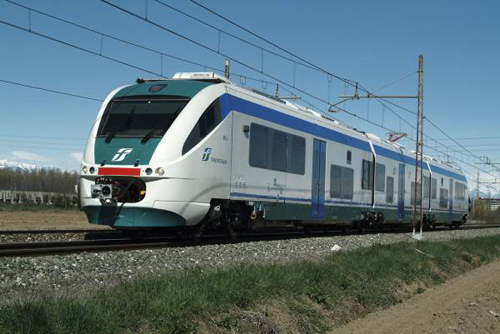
[[197, 151]]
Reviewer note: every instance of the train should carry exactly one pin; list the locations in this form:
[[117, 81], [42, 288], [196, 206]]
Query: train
[[197, 152]]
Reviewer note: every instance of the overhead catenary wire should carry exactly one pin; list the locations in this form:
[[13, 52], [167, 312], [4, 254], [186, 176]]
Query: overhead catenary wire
[[260, 71], [395, 82], [221, 31], [444, 133], [350, 82], [246, 65], [250, 67], [50, 90], [236, 60], [244, 77], [152, 50], [302, 59]]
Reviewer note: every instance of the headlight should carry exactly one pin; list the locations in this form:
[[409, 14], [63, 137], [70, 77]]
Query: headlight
[[92, 170], [149, 171], [84, 170], [160, 171]]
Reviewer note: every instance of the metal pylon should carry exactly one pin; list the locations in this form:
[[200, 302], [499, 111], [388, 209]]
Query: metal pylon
[[419, 152]]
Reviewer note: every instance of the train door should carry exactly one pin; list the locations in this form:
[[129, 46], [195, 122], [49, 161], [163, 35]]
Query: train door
[[450, 200], [318, 179], [401, 192]]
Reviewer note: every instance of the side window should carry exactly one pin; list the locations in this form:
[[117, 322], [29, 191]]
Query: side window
[[279, 151], [380, 177], [341, 182], [460, 191], [434, 188], [210, 118], [297, 155], [426, 187], [258, 145], [366, 174], [349, 157], [347, 183], [443, 198], [413, 194], [335, 181], [389, 197]]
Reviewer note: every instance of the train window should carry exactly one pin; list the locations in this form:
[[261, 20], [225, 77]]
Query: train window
[[347, 183], [379, 177], [349, 157], [341, 182], [210, 118], [278, 160], [426, 187], [412, 200], [366, 175], [460, 190], [276, 150], [443, 198], [434, 188], [258, 145], [389, 196], [335, 181], [297, 155], [138, 117]]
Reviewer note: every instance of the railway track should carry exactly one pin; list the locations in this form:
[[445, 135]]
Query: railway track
[[40, 248], [62, 231]]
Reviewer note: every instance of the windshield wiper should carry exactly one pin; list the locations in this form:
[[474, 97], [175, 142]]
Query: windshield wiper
[[111, 135], [148, 136]]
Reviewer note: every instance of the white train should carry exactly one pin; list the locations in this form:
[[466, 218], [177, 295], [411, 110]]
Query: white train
[[197, 150]]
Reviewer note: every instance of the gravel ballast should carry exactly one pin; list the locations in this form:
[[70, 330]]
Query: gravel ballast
[[23, 277]]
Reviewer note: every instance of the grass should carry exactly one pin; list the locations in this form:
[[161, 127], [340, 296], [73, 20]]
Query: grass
[[302, 297]]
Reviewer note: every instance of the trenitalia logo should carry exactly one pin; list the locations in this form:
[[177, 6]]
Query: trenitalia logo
[[121, 154], [206, 154]]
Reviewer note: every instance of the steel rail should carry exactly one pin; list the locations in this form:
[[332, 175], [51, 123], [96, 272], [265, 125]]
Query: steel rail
[[54, 231], [68, 247]]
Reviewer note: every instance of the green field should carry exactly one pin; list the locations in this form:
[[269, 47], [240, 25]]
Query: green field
[[302, 297]]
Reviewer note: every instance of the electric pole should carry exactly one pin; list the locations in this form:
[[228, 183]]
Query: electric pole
[[419, 152]]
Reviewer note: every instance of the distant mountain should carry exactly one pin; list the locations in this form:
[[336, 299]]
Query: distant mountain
[[23, 166], [486, 190]]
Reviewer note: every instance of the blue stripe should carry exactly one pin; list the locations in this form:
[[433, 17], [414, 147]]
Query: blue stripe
[[271, 197], [333, 202], [229, 102]]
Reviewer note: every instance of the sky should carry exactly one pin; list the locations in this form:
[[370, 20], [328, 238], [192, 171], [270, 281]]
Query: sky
[[370, 42]]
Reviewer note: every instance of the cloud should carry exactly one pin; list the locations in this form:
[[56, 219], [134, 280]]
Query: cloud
[[77, 156], [29, 156]]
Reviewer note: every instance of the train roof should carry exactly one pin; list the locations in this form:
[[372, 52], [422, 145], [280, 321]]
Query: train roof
[[188, 84]]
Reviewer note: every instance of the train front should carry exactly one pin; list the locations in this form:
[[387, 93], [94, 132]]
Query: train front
[[136, 171]]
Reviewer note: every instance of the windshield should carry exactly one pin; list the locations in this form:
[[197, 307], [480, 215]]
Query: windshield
[[139, 118]]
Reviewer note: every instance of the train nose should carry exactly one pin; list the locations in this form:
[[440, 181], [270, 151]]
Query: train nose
[[123, 216]]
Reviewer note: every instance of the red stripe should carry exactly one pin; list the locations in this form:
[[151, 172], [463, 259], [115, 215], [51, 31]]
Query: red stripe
[[119, 171]]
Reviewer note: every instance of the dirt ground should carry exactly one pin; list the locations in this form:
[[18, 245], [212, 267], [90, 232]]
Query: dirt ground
[[50, 219], [467, 304]]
